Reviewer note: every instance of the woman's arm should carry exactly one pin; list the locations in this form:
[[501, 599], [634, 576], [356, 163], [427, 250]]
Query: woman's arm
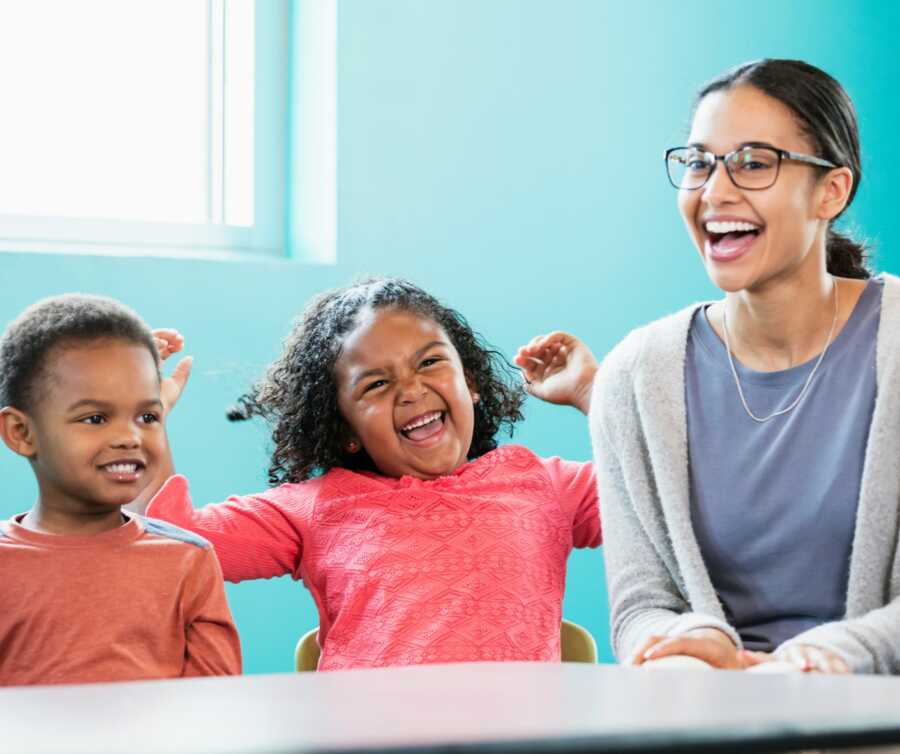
[[645, 599]]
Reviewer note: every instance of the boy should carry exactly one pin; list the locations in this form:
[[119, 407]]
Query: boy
[[89, 592]]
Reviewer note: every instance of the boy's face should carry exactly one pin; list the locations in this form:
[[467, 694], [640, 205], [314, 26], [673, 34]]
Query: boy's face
[[96, 424]]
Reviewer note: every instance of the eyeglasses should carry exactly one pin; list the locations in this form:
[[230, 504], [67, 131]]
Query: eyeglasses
[[752, 168]]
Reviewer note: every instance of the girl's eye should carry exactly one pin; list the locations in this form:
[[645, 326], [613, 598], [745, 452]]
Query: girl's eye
[[430, 360], [93, 419], [375, 385], [149, 418]]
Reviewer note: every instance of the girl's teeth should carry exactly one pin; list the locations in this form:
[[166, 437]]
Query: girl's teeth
[[122, 468], [422, 422], [730, 227]]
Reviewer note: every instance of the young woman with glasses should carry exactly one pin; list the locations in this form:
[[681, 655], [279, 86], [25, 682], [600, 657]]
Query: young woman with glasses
[[747, 449]]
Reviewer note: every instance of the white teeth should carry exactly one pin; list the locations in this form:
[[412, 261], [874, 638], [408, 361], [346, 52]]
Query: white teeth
[[729, 226], [427, 419], [121, 468]]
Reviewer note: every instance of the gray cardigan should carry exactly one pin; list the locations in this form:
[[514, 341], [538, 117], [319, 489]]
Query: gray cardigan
[[658, 583]]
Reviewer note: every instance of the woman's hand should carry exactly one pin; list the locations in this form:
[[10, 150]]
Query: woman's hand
[[707, 644], [171, 387], [802, 657], [558, 368]]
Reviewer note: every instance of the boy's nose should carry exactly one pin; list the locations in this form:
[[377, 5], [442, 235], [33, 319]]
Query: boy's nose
[[127, 437]]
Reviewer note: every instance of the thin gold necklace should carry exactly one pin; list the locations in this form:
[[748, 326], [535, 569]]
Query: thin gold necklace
[[737, 381]]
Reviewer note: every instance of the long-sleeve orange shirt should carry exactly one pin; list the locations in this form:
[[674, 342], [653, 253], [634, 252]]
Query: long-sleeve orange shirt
[[142, 601]]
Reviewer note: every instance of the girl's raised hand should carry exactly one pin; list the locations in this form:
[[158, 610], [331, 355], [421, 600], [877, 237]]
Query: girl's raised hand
[[558, 368], [169, 342]]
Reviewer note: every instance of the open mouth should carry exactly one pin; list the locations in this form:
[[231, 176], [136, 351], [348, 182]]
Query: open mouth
[[730, 238], [424, 426], [123, 471]]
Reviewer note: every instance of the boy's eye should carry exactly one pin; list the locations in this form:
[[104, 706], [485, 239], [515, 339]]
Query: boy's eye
[[93, 419]]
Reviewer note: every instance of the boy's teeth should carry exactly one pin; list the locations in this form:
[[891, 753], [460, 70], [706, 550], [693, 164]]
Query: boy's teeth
[[427, 419], [122, 468], [730, 226]]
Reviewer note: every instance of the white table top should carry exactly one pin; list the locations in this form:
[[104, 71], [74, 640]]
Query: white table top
[[490, 706]]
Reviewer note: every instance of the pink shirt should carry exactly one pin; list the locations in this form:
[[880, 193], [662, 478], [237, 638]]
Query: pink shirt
[[469, 566]]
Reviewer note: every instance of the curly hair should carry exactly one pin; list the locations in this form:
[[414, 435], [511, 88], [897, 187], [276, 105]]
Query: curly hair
[[57, 322], [298, 394]]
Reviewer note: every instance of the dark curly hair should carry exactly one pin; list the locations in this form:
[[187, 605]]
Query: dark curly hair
[[55, 322], [298, 395]]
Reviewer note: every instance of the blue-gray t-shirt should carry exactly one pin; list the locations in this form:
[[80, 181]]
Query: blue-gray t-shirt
[[773, 504]]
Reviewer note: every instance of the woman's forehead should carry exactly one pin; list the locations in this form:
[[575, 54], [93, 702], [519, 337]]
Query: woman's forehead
[[729, 118]]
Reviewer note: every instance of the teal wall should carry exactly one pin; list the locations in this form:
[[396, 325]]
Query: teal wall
[[506, 155]]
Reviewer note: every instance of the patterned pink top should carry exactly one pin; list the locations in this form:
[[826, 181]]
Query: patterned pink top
[[469, 566]]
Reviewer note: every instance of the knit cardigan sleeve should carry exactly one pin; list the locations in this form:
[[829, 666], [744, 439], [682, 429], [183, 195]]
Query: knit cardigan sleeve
[[646, 590]]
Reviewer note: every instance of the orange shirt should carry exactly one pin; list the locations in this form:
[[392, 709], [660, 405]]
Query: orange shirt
[[142, 601]]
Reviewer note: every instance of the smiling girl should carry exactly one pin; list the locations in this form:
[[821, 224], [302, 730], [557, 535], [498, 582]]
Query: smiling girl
[[420, 540], [746, 449]]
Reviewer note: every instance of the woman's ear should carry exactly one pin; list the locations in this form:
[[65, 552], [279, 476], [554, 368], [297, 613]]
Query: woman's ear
[[17, 431], [837, 186]]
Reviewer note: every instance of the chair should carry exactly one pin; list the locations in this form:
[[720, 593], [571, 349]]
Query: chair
[[576, 645]]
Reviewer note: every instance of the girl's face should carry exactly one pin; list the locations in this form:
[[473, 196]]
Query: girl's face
[[403, 392], [790, 217]]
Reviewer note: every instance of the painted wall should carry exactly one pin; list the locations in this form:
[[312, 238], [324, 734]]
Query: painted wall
[[508, 156]]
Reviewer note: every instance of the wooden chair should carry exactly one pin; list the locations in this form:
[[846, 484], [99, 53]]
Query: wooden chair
[[576, 645]]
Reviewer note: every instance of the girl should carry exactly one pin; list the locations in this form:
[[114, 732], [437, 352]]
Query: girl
[[747, 448], [419, 539]]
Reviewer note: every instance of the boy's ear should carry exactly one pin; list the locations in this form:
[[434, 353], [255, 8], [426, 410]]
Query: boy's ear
[[17, 431]]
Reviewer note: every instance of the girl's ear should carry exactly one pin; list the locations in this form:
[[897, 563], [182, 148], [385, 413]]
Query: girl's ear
[[352, 445], [476, 397], [17, 431], [837, 184]]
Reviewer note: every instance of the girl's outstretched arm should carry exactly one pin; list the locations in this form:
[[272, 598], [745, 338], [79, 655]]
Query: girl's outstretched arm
[[170, 389], [558, 368]]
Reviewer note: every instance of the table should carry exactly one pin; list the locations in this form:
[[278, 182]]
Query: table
[[490, 707]]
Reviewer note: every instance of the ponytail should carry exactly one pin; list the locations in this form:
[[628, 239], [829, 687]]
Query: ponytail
[[845, 257]]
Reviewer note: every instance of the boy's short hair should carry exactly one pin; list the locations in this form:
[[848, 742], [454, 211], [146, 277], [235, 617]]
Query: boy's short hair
[[60, 320]]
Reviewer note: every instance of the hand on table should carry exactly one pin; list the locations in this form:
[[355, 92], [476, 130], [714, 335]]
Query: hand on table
[[802, 658], [169, 342], [707, 644], [558, 368]]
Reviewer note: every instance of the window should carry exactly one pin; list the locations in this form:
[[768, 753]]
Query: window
[[143, 126]]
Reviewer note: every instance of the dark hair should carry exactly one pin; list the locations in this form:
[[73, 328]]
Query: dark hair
[[826, 115], [58, 322], [298, 395]]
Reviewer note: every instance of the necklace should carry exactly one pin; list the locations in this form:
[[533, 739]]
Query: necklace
[[737, 381]]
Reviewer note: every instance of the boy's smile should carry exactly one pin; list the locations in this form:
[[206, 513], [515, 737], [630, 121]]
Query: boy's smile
[[96, 431], [402, 390]]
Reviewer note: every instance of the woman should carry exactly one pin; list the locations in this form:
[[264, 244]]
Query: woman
[[746, 449]]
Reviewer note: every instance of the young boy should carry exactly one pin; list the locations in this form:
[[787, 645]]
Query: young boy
[[88, 592]]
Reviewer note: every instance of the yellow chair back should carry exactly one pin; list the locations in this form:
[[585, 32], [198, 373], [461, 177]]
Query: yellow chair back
[[576, 645]]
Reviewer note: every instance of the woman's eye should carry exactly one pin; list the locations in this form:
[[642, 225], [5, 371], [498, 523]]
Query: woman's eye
[[697, 165], [93, 419]]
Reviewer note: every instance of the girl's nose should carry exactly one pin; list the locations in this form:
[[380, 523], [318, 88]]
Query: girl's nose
[[411, 389]]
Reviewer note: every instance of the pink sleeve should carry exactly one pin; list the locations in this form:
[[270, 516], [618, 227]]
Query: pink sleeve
[[255, 536], [576, 485]]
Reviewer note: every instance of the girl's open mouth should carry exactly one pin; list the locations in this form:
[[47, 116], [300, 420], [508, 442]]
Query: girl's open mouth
[[730, 239], [424, 426], [123, 471]]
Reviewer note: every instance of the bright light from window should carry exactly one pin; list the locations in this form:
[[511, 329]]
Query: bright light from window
[[105, 109]]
